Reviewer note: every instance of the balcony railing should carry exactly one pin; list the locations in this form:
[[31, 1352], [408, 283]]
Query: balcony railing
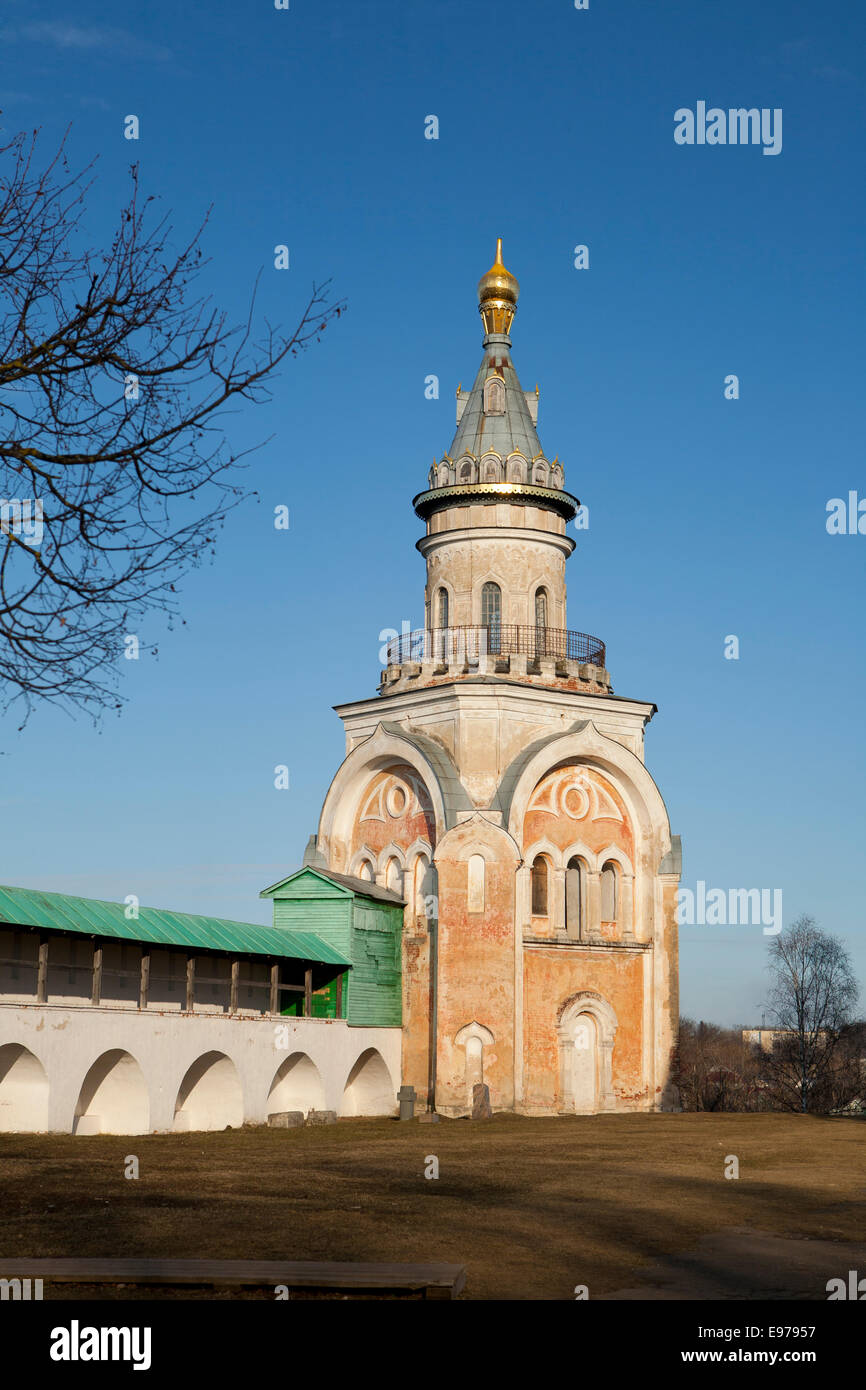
[[462, 644]]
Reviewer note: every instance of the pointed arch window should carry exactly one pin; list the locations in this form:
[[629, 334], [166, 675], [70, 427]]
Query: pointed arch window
[[541, 608], [491, 615]]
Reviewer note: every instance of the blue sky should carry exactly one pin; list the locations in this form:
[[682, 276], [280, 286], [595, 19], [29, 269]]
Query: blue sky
[[707, 516]]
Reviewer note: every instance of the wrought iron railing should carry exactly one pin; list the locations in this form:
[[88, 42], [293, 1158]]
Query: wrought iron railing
[[453, 644]]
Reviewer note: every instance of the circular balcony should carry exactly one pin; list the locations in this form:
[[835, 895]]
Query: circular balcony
[[467, 644]]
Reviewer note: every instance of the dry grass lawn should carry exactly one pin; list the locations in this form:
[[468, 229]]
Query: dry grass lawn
[[530, 1207]]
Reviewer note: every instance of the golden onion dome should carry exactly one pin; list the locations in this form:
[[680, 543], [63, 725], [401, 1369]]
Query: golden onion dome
[[498, 283], [498, 291]]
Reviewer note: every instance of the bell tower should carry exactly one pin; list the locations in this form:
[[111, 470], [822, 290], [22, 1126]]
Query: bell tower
[[496, 512], [496, 787]]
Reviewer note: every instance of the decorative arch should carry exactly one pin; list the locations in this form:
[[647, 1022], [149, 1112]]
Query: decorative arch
[[297, 1085], [584, 744], [113, 1098], [363, 864], [210, 1095], [473, 1038], [24, 1091], [369, 1089], [516, 469], [491, 469], [382, 749], [466, 471]]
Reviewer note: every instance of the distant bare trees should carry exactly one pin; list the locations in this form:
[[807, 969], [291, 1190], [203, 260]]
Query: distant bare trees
[[714, 1069]]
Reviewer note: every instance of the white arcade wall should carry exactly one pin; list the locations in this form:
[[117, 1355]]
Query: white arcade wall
[[112, 1071]]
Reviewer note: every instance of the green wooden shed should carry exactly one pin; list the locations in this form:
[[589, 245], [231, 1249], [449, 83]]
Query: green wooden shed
[[361, 921]]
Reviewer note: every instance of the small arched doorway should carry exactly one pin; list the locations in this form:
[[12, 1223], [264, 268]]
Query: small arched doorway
[[586, 1030]]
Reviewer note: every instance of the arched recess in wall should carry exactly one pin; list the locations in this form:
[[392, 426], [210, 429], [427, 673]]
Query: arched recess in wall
[[210, 1095], [113, 1098], [586, 1030], [23, 1091], [473, 1038], [424, 886], [297, 1085], [394, 875], [369, 1089], [366, 870]]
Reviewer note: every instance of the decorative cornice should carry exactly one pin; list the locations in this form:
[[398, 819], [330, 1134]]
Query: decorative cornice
[[554, 498]]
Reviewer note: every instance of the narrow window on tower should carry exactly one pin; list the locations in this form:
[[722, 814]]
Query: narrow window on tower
[[541, 608], [442, 609], [491, 615], [539, 887]]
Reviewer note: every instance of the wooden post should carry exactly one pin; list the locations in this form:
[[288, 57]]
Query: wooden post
[[233, 996], [339, 1010], [144, 987], [96, 990], [308, 992], [275, 987], [190, 984], [42, 972]]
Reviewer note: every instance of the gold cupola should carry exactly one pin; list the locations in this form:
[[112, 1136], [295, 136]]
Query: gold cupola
[[498, 292]]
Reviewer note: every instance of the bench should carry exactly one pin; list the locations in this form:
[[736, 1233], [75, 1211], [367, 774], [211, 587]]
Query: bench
[[437, 1281]]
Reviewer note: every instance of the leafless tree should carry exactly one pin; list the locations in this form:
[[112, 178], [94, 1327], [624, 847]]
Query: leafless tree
[[812, 994], [114, 373]]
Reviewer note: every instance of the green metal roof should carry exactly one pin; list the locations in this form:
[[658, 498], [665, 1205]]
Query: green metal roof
[[29, 907]]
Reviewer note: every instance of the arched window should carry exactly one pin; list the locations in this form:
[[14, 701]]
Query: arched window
[[575, 895], [366, 871], [491, 615], [494, 396], [491, 471], [539, 887], [442, 608], [466, 472], [394, 876], [608, 893], [541, 608]]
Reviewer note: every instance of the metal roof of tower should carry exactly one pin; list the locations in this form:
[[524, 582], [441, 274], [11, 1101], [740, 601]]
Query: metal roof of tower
[[478, 432]]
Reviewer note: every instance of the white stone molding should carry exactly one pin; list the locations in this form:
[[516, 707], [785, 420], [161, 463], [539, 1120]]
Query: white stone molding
[[383, 749], [587, 1002]]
